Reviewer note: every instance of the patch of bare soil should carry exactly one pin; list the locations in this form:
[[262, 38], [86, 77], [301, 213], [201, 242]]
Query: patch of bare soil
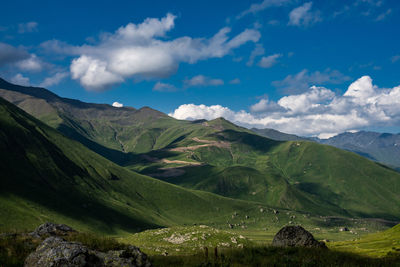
[[206, 143]]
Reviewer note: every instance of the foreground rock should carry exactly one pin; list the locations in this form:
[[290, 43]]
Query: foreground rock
[[296, 236], [55, 251], [51, 229]]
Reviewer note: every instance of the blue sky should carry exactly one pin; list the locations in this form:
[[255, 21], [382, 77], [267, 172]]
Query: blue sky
[[253, 62]]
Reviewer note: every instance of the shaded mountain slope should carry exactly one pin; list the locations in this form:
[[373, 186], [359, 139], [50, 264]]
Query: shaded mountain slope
[[222, 158], [277, 135], [46, 176]]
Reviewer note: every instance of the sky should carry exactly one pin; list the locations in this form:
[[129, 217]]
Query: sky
[[312, 68]]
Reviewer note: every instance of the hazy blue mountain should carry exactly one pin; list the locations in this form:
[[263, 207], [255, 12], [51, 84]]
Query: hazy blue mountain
[[277, 135], [381, 147]]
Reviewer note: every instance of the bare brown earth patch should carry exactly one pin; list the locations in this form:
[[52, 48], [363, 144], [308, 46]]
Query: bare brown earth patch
[[206, 143]]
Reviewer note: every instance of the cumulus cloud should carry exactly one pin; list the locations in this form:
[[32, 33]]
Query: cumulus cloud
[[265, 105], [269, 61], [27, 27], [317, 112], [254, 8], [304, 79], [303, 16], [19, 79], [32, 63], [18, 57], [10, 54], [93, 73], [144, 50], [164, 87], [117, 105], [54, 80], [201, 80], [193, 112]]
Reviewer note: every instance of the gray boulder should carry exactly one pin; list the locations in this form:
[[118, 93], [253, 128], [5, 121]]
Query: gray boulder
[[51, 229], [132, 256], [296, 236], [55, 251]]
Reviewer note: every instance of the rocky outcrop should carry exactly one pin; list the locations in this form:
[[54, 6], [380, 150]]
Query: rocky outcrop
[[51, 229], [55, 251], [296, 236]]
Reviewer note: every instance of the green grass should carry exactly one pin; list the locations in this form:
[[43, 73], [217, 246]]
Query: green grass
[[375, 245], [184, 240], [271, 256], [47, 177], [207, 246], [298, 175]]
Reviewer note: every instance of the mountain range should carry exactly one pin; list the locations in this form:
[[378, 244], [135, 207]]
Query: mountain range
[[125, 169], [379, 147]]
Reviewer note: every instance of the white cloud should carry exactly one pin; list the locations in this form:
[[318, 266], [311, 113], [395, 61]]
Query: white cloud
[[143, 50], [19, 79], [93, 73], [303, 16], [164, 87], [17, 57], [234, 81], [257, 51], [304, 79], [117, 105], [53, 80], [254, 8], [201, 80], [193, 112], [10, 54], [27, 27], [33, 63], [318, 112], [265, 105], [269, 61]]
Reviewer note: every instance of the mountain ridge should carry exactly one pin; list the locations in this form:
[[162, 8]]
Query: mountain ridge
[[46, 176], [219, 157]]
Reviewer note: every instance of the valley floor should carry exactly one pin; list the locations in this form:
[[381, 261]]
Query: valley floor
[[206, 246]]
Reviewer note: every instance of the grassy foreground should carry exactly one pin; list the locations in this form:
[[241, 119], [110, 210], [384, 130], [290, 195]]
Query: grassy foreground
[[375, 245], [15, 248]]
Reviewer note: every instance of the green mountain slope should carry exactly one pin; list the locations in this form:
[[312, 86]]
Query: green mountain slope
[[381, 147], [46, 176], [220, 157], [297, 175], [380, 244]]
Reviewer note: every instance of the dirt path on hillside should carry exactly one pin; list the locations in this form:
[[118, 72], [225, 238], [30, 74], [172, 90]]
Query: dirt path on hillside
[[155, 160], [206, 143], [180, 162]]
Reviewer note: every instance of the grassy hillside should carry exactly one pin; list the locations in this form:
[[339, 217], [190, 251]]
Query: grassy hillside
[[381, 147], [46, 176], [300, 175], [222, 158], [376, 245]]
